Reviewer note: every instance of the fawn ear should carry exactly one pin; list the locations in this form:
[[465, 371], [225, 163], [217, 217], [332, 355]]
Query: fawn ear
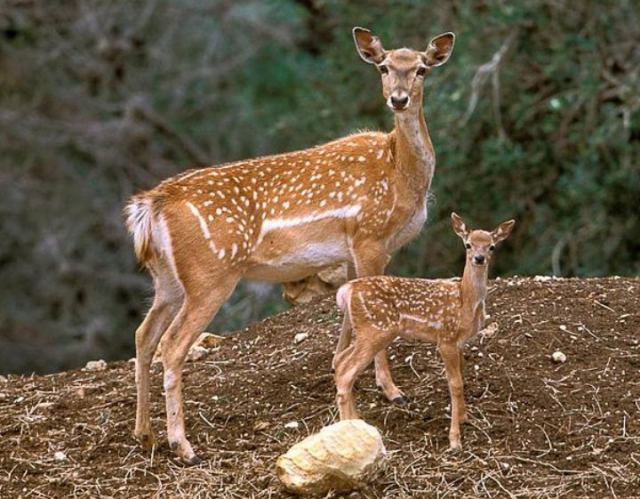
[[439, 49], [458, 226], [502, 231], [369, 47]]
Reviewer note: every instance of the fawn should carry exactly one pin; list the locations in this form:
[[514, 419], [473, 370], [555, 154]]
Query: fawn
[[443, 311], [280, 218]]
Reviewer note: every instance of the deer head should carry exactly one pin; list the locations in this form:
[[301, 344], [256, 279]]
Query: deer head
[[402, 70], [480, 244]]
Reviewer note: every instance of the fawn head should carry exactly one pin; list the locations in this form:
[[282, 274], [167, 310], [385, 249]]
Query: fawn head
[[402, 70], [480, 243]]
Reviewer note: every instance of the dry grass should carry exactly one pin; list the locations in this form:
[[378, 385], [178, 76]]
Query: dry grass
[[538, 429]]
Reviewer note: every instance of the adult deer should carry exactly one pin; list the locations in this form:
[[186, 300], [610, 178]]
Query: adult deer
[[444, 311], [280, 218]]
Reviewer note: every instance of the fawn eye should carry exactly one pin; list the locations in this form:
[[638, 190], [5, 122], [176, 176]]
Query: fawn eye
[[383, 69], [467, 245], [492, 247], [421, 71]]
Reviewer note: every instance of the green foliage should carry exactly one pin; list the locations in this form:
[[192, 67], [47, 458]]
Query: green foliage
[[101, 99]]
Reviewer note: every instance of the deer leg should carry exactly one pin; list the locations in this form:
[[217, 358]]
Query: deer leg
[[196, 312], [451, 357], [165, 306]]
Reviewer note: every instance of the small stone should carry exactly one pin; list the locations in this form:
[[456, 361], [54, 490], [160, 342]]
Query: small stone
[[3, 396], [300, 337], [559, 357], [60, 456], [95, 365], [260, 426], [292, 425], [542, 278], [563, 327], [3, 379], [197, 353]]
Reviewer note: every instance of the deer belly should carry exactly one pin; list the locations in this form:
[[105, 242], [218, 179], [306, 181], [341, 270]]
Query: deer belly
[[411, 228], [296, 262]]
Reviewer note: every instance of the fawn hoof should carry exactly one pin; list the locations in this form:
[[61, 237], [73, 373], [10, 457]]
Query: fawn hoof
[[455, 446], [402, 400], [146, 440]]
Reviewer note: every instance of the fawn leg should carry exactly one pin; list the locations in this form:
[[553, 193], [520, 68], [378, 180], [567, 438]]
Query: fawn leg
[[345, 332], [370, 259], [344, 339], [463, 407], [349, 365], [451, 357]]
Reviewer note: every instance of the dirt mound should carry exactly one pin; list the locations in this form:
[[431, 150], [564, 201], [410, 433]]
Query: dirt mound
[[537, 428]]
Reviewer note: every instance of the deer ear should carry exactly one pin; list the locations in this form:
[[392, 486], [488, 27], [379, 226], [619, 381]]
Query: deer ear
[[368, 45], [439, 49], [502, 231], [458, 226]]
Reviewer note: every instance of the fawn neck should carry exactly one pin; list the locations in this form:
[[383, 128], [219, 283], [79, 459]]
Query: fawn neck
[[414, 150], [473, 286]]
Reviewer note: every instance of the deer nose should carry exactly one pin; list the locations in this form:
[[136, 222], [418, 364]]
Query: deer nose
[[400, 102], [479, 259]]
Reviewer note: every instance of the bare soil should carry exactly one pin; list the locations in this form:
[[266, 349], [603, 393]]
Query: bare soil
[[537, 428]]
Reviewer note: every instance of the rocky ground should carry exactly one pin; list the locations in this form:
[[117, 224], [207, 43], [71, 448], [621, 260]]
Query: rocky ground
[[538, 428]]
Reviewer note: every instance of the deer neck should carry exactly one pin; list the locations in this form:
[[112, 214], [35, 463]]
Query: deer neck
[[473, 288], [414, 153]]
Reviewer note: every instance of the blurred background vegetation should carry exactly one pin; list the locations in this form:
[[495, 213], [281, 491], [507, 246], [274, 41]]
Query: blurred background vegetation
[[535, 117]]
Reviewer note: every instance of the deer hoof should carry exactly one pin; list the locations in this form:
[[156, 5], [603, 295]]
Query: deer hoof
[[402, 400], [193, 461]]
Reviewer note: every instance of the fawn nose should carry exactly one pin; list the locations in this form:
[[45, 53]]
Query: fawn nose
[[399, 102], [479, 259]]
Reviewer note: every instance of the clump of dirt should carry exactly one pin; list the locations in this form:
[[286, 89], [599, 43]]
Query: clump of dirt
[[537, 428]]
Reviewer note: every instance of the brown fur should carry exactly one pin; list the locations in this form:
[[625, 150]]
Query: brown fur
[[444, 311], [280, 218]]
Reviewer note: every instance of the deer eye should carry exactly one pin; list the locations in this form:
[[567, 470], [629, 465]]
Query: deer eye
[[492, 247], [383, 69], [467, 245], [421, 71]]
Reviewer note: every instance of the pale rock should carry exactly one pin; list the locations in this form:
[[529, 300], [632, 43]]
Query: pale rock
[[95, 365], [489, 330], [341, 457], [559, 357], [292, 425], [543, 278], [300, 337], [60, 456], [197, 351], [3, 379]]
